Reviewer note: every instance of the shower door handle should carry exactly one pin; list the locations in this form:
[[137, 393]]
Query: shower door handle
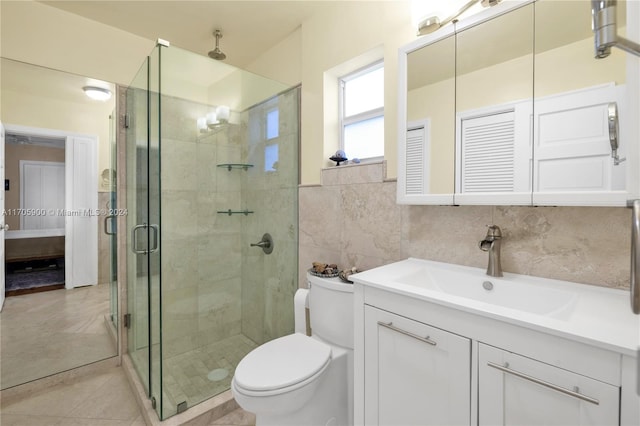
[[154, 229], [106, 227], [134, 239]]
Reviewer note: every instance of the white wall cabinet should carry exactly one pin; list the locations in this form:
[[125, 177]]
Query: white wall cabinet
[[531, 123], [515, 390], [415, 374]]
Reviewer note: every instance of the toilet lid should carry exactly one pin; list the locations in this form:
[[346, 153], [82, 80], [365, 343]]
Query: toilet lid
[[281, 363]]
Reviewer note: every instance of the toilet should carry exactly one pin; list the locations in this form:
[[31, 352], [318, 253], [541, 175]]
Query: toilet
[[301, 380]]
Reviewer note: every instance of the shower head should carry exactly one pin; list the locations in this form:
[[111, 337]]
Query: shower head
[[217, 53], [603, 15]]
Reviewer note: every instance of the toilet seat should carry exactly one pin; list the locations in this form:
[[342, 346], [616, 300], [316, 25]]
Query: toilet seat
[[282, 365]]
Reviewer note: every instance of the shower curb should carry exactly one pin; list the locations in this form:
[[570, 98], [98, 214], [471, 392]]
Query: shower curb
[[203, 413]]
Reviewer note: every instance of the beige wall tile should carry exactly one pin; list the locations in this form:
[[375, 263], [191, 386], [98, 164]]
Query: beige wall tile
[[588, 245]]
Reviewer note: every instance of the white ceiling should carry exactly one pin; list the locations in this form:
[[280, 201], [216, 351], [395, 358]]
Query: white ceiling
[[249, 27]]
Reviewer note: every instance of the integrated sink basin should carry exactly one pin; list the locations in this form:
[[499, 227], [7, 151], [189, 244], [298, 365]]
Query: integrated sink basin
[[598, 316], [511, 291], [581, 312]]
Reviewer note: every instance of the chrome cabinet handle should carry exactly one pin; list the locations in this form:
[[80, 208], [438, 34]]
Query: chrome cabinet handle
[[635, 255], [544, 383], [390, 326]]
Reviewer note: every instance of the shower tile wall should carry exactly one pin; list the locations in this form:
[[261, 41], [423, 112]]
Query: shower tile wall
[[214, 285], [270, 189], [200, 249]]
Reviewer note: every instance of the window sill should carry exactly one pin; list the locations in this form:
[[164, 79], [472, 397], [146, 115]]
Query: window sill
[[370, 171]]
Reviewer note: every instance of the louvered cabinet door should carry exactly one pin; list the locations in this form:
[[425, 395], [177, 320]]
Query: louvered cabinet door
[[493, 155], [488, 153], [416, 176], [423, 178]]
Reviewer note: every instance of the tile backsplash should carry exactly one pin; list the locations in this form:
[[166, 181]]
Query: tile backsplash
[[352, 219]]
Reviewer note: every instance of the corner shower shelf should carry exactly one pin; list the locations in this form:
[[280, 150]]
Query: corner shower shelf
[[230, 166], [230, 212]]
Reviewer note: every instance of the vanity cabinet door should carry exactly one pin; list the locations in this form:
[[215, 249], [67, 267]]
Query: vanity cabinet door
[[515, 390], [414, 374]]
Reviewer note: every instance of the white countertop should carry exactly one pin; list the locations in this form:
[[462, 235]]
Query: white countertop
[[589, 314]]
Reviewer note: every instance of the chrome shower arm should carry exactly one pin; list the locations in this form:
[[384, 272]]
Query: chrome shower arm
[[628, 46]]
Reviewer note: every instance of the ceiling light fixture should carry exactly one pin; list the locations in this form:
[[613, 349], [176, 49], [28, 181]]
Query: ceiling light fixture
[[433, 23], [97, 93]]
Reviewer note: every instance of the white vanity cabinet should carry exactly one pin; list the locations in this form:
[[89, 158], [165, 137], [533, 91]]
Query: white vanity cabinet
[[515, 390], [415, 374], [442, 344]]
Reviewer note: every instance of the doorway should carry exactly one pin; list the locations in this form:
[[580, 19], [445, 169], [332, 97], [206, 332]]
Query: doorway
[[51, 206], [34, 198]]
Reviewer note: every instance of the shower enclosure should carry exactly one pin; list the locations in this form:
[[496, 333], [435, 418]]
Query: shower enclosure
[[200, 190]]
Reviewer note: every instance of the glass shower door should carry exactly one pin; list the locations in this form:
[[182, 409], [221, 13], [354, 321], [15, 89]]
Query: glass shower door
[[137, 207], [110, 223], [143, 227]]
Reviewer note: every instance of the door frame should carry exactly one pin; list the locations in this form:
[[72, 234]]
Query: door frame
[[86, 258], [2, 224]]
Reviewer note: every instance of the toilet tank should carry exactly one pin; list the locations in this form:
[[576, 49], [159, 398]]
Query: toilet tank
[[331, 310]]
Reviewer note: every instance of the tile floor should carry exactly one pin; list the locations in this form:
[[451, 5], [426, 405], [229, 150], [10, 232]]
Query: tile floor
[[104, 399], [54, 331], [51, 323]]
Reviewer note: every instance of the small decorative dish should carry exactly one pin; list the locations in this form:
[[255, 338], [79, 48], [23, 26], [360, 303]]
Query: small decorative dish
[[316, 274]]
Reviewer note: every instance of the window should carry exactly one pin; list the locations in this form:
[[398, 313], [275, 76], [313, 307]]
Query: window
[[271, 158], [362, 112], [272, 132], [273, 124]]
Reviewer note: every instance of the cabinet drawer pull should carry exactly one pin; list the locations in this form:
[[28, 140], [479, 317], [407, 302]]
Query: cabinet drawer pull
[[390, 326], [565, 391]]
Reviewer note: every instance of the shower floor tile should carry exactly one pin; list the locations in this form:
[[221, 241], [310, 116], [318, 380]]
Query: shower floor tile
[[186, 375]]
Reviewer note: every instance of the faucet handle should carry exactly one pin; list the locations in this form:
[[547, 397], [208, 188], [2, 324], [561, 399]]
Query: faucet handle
[[493, 232]]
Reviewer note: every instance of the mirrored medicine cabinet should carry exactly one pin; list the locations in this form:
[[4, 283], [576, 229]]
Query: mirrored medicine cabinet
[[510, 107]]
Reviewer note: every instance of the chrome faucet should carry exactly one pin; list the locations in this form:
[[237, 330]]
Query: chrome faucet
[[491, 243]]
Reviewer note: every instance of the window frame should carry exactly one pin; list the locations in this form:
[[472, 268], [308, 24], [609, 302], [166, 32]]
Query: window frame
[[362, 116]]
